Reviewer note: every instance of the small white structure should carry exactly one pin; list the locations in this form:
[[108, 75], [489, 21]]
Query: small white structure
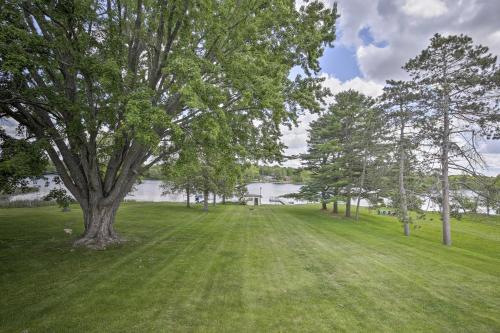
[[255, 198]]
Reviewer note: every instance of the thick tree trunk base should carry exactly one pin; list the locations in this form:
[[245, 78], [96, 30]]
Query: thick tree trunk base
[[99, 232], [98, 242]]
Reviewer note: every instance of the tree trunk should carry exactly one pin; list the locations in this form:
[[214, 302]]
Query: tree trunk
[[205, 200], [215, 199], [335, 209], [403, 205], [99, 212], [223, 199], [188, 204], [348, 206], [361, 184], [99, 231], [476, 204], [323, 199], [487, 209], [445, 213]]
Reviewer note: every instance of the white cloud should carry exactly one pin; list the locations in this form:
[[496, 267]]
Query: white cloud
[[407, 25], [296, 138], [493, 164], [378, 63], [493, 42], [424, 8], [9, 126], [367, 87], [490, 147]]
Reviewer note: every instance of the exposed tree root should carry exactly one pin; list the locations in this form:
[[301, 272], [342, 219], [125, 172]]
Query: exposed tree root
[[98, 242]]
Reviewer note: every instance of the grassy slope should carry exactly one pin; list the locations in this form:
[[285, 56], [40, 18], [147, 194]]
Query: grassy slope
[[237, 269]]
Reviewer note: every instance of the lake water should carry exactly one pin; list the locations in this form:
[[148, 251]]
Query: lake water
[[151, 190]]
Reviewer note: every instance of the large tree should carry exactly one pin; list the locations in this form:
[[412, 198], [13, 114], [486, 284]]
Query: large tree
[[372, 143], [317, 160], [110, 85], [458, 85], [341, 145], [352, 122]]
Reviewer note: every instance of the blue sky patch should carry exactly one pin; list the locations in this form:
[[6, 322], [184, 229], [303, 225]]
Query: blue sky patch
[[366, 36], [340, 62]]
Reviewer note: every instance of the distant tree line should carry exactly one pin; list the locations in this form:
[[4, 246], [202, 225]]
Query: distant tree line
[[275, 173]]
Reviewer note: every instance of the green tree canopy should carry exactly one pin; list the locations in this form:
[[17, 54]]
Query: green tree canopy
[[342, 142], [110, 86], [20, 159]]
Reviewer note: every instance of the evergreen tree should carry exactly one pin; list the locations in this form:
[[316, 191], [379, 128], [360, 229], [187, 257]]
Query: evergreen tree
[[402, 115], [317, 160], [458, 84], [351, 121], [342, 144]]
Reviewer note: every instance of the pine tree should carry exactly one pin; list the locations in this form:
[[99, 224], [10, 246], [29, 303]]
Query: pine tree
[[458, 84], [351, 121], [398, 102], [341, 147]]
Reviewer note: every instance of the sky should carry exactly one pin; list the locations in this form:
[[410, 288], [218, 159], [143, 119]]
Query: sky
[[376, 37]]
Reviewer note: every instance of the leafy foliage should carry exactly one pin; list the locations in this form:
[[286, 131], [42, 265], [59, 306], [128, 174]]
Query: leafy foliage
[[61, 197], [342, 142], [114, 87], [20, 160]]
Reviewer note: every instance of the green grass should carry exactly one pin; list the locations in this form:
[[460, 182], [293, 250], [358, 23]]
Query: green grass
[[237, 269]]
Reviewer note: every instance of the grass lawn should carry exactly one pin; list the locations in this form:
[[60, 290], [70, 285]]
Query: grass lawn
[[237, 269]]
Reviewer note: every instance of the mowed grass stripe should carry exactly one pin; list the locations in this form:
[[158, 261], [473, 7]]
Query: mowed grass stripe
[[109, 269], [246, 269], [334, 260], [440, 290]]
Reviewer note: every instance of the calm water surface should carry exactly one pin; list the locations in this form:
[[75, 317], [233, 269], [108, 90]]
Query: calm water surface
[[151, 190]]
